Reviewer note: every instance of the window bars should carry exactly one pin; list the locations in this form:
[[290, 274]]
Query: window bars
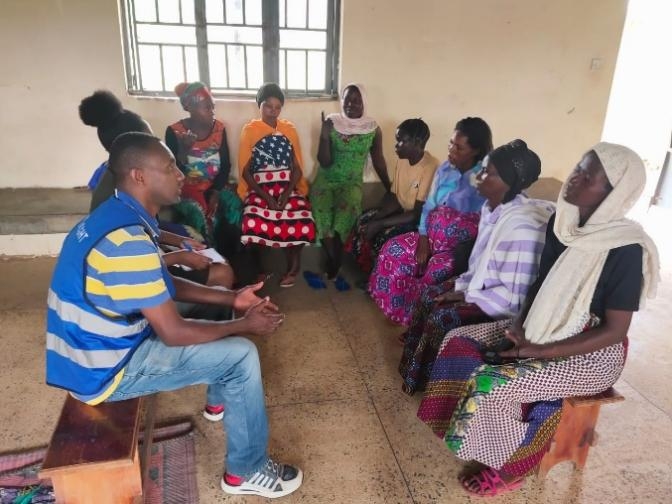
[[231, 45]]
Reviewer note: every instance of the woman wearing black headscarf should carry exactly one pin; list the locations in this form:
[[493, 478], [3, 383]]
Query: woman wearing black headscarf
[[502, 265]]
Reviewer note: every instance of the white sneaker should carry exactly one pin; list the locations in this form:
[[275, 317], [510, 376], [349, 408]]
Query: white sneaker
[[213, 413], [271, 481]]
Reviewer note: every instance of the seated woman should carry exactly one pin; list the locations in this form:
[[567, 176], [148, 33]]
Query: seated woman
[[200, 147], [410, 262], [276, 212], [400, 209], [347, 139], [570, 338], [104, 111], [503, 263]]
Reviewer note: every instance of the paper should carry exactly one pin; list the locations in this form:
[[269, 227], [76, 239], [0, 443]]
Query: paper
[[212, 254]]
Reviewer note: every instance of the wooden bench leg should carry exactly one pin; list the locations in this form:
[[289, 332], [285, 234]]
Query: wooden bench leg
[[573, 438], [99, 484], [147, 439]]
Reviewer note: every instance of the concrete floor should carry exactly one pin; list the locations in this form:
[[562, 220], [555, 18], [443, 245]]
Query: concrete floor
[[336, 409]]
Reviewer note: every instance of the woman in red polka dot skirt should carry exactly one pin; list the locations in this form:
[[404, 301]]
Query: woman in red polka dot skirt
[[276, 212]]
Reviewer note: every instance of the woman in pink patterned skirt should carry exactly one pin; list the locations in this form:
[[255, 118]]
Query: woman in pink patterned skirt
[[450, 215]]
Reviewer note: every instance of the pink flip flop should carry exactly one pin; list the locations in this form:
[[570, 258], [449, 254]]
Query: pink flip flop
[[489, 483]]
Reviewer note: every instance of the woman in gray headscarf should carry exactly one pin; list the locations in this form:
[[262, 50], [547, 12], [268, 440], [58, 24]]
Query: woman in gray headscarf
[[570, 338]]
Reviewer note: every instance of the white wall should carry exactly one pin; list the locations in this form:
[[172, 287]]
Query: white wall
[[640, 106], [523, 65]]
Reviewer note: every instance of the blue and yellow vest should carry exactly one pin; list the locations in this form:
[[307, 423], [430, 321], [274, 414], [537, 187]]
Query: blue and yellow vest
[[85, 347]]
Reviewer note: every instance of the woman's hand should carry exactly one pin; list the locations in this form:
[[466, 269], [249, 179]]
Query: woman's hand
[[213, 204], [422, 255], [247, 297], [372, 229], [270, 201], [282, 200], [450, 297], [523, 348], [327, 127], [186, 140]]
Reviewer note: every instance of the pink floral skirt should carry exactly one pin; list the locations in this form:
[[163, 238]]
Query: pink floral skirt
[[394, 285]]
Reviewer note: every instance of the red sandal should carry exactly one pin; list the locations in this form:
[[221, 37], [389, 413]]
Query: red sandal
[[489, 483], [288, 280]]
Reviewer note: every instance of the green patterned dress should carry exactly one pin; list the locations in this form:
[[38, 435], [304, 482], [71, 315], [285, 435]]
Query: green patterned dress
[[336, 194]]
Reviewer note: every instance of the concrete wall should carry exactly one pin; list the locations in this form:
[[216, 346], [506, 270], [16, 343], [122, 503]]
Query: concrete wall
[[523, 65]]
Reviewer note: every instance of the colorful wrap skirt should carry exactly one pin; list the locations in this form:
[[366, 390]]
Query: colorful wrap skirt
[[505, 416], [366, 251], [429, 325], [394, 285]]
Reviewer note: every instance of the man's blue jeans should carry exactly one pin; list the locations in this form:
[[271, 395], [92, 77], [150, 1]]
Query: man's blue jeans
[[230, 368]]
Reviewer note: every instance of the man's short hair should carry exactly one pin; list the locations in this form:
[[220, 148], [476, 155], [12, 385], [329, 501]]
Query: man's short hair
[[128, 150]]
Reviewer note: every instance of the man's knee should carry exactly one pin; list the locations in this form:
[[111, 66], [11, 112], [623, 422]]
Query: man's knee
[[245, 355]]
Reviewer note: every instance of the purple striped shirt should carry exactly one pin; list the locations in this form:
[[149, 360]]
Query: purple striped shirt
[[512, 237]]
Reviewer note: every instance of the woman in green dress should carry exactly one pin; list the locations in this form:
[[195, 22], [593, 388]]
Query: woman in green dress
[[347, 140]]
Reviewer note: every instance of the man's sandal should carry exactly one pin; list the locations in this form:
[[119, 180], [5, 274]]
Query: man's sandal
[[489, 483]]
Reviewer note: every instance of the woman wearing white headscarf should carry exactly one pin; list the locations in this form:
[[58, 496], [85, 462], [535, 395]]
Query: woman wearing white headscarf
[[570, 339], [347, 139]]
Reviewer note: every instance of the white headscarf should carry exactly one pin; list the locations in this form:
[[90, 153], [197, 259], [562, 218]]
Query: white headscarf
[[562, 305], [347, 126]]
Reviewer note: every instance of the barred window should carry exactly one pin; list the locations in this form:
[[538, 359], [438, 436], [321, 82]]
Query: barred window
[[232, 45]]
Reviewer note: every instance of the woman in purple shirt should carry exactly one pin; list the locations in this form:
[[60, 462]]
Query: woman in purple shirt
[[412, 261]]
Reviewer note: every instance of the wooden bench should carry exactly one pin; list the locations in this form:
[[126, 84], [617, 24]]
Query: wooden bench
[[93, 453], [576, 431]]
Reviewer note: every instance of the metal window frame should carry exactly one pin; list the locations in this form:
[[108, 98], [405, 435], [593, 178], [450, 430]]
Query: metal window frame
[[270, 26]]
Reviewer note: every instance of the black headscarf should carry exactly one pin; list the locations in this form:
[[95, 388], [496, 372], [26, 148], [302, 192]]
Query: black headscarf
[[270, 90], [518, 166]]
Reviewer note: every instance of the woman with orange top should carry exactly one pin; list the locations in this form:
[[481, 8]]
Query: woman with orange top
[[276, 212]]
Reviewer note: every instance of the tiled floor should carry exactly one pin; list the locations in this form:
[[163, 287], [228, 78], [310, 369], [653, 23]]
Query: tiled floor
[[336, 409]]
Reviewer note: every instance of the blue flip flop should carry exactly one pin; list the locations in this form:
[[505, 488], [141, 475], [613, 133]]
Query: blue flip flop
[[314, 280], [341, 284]]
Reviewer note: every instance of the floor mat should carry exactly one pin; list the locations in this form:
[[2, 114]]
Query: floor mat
[[171, 475]]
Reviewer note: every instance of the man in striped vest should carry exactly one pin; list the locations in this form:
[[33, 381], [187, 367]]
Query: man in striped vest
[[113, 330]]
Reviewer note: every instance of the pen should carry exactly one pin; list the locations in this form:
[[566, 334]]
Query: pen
[[186, 245]]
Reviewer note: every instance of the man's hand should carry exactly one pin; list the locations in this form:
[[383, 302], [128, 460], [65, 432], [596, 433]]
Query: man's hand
[[194, 244], [187, 258], [247, 297], [262, 319]]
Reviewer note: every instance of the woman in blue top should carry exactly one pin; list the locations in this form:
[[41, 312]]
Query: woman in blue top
[[450, 215]]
